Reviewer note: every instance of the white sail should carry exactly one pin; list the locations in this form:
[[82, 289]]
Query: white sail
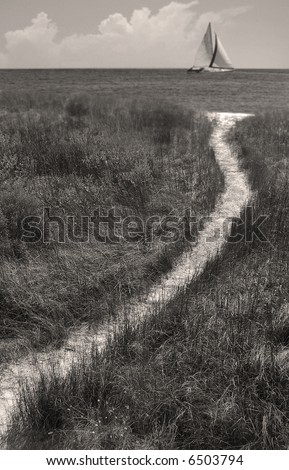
[[222, 59], [206, 50], [211, 55]]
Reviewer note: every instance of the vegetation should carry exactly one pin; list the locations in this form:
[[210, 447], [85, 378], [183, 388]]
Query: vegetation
[[72, 155], [210, 370]]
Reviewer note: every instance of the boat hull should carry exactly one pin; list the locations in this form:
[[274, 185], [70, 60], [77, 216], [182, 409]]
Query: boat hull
[[209, 70]]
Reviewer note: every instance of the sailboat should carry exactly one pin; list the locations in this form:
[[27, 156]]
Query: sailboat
[[211, 55]]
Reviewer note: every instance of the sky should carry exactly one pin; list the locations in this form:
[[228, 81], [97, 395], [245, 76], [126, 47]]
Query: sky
[[140, 33]]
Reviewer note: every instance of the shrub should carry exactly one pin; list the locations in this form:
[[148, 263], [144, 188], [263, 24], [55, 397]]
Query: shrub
[[16, 203], [77, 106]]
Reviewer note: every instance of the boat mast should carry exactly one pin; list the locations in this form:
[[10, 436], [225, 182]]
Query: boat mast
[[211, 34]]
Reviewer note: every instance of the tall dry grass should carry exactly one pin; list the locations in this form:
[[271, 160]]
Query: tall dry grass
[[74, 154], [209, 371]]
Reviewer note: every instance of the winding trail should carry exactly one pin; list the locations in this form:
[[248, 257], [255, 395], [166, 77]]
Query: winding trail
[[191, 263]]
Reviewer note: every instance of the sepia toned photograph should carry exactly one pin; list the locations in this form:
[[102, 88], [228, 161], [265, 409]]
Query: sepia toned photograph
[[144, 229]]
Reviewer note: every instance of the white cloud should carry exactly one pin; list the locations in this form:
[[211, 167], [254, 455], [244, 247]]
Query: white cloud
[[224, 17], [33, 46], [144, 40], [164, 39], [41, 30], [115, 24]]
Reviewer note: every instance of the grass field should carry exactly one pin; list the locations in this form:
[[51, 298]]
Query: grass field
[[210, 370], [72, 155]]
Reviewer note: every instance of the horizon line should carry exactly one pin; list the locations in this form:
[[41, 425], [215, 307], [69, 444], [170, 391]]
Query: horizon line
[[131, 68]]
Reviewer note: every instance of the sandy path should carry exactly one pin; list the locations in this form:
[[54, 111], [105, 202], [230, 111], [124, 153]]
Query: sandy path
[[188, 265]]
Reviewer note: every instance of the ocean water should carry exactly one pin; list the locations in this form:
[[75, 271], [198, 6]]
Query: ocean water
[[241, 91]]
